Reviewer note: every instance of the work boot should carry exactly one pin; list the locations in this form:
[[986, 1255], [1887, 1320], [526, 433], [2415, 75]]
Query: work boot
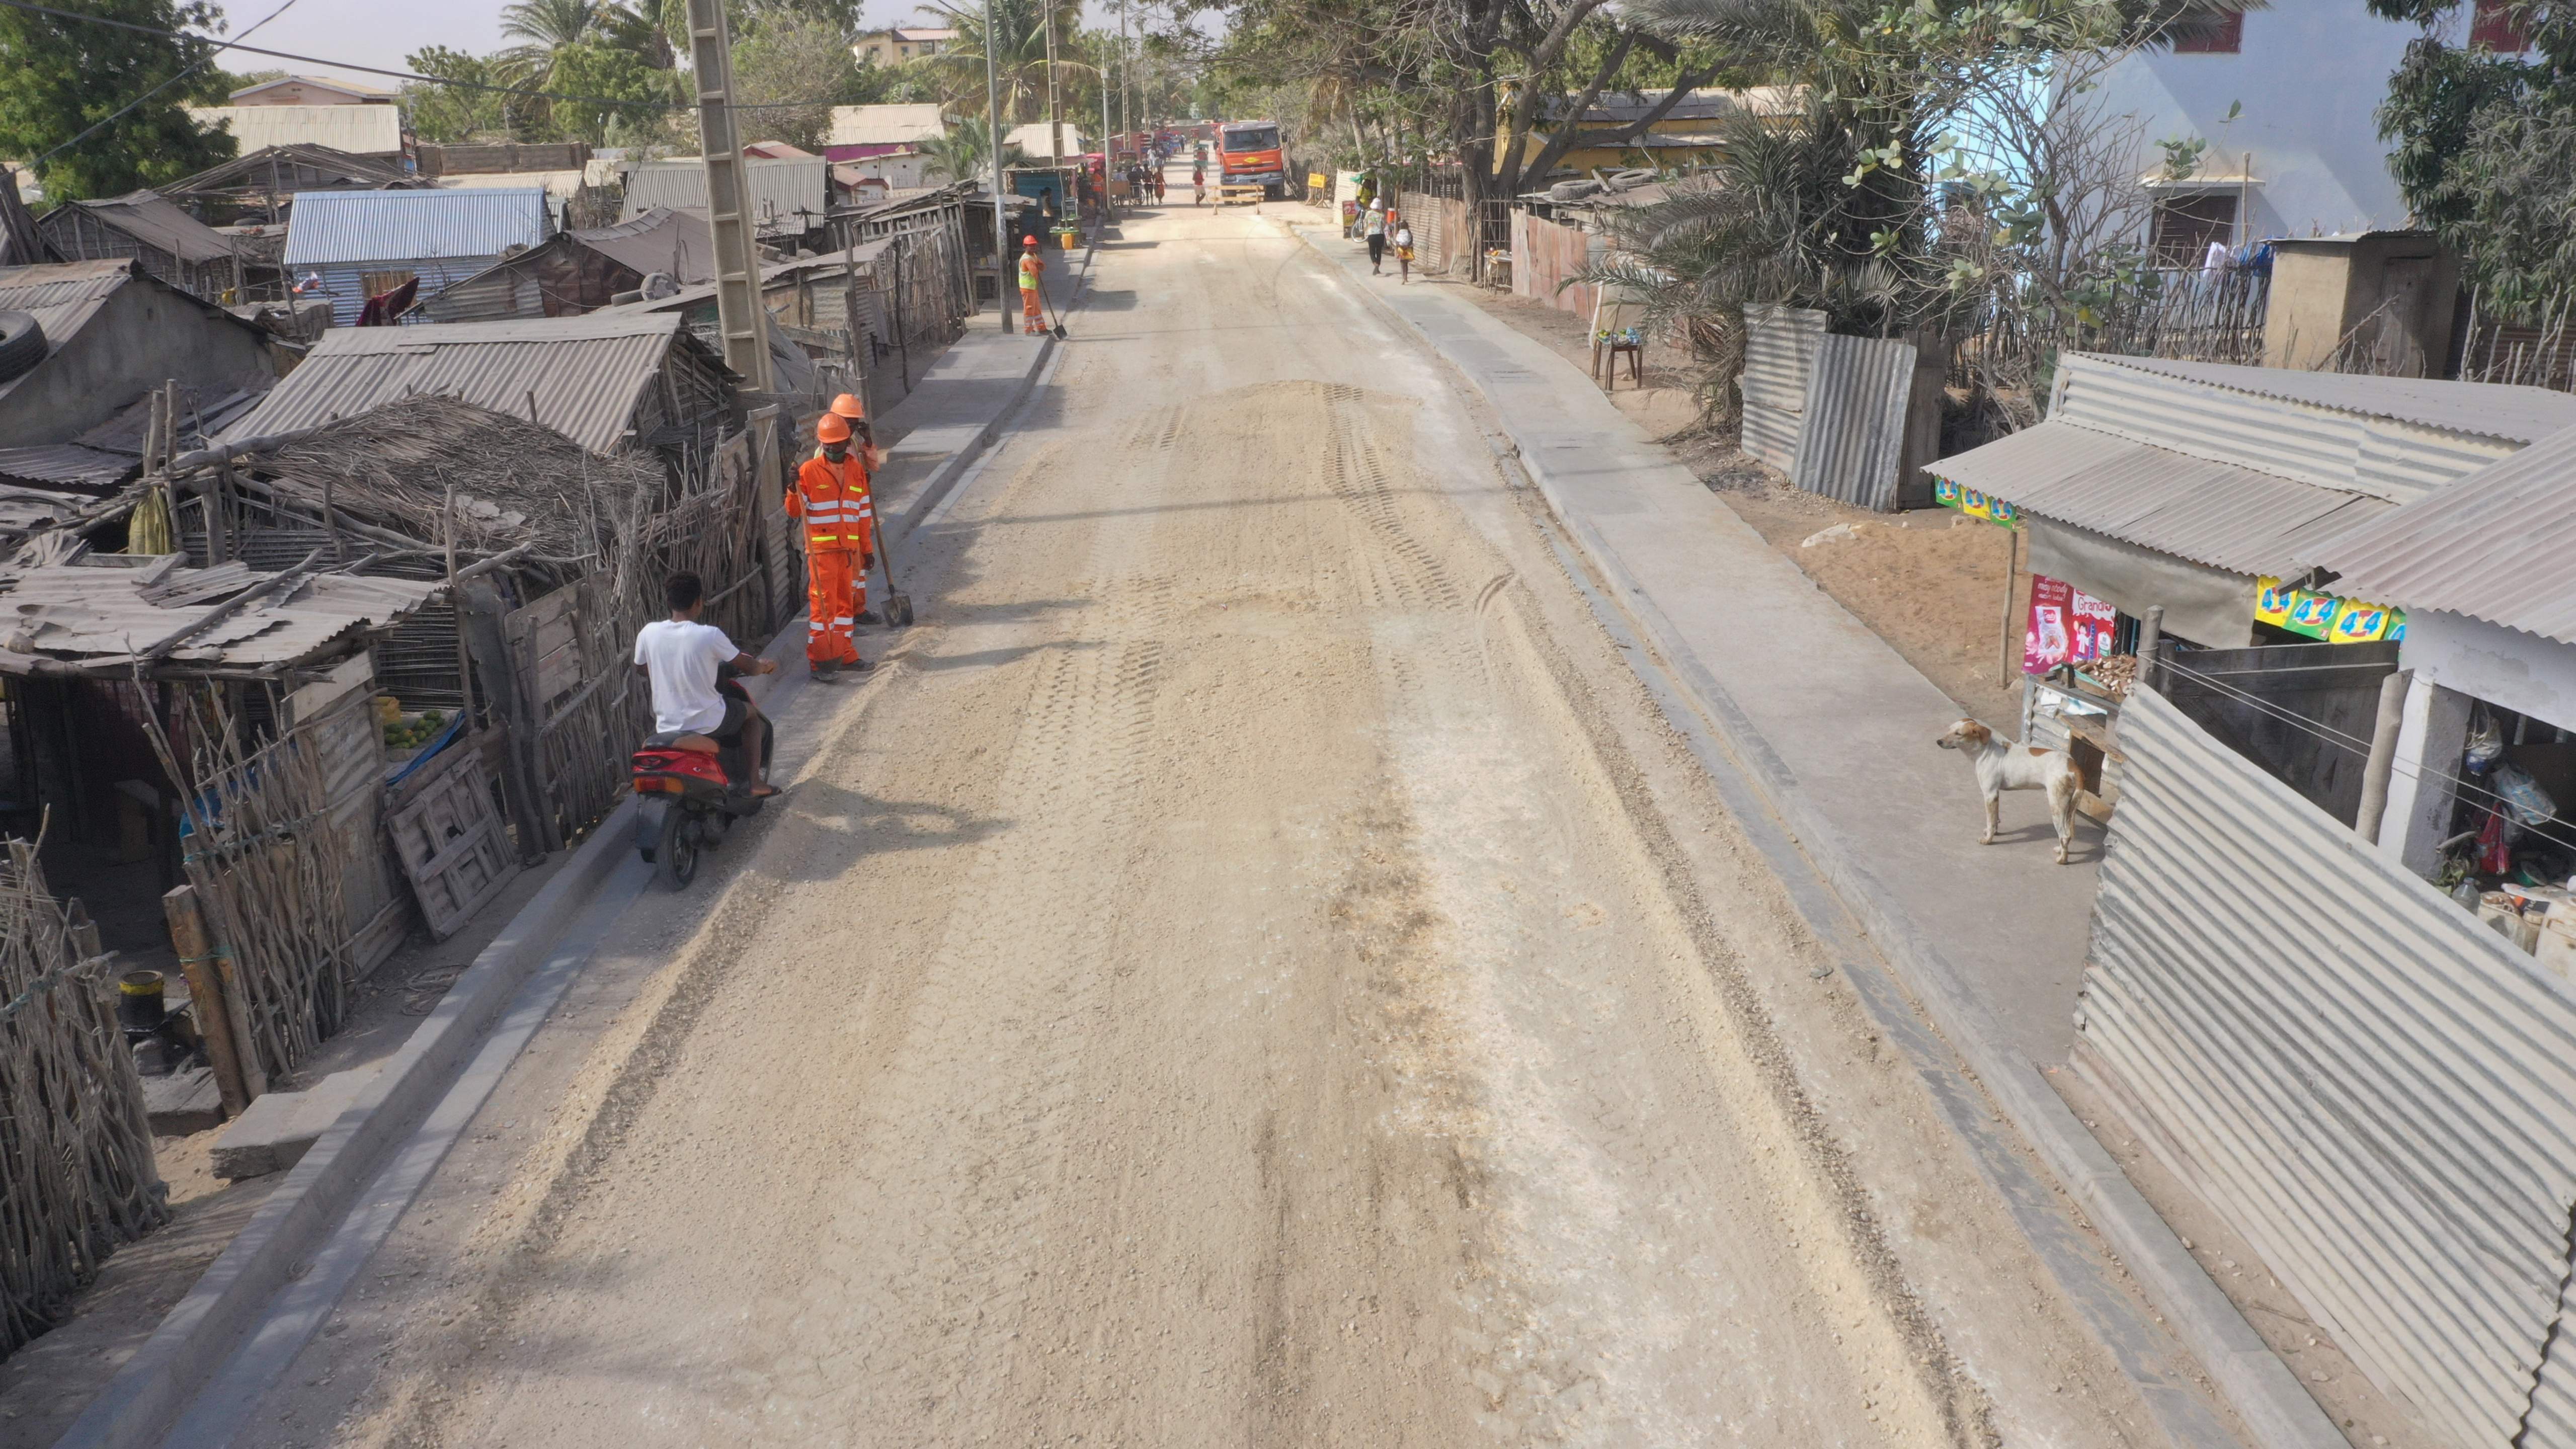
[[869, 618], [824, 670]]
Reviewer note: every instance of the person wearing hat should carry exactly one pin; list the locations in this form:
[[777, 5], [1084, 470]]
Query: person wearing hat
[[1032, 266], [831, 496]]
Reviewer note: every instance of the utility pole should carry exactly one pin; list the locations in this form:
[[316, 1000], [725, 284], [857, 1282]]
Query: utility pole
[[1055, 111], [993, 121], [1126, 92], [1108, 148], [738, 311]]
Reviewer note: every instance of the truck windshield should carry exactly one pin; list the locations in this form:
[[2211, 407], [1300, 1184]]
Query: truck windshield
[[1253, 138]]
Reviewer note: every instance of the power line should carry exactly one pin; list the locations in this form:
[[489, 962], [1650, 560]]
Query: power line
[[632, 105], [127, 109]]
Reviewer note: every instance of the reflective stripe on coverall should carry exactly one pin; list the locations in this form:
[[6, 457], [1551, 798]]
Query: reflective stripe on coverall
[[833, 500], [1031, 319]]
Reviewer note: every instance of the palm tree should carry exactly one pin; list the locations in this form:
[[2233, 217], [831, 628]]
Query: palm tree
[[1019, 52], [963, 153]]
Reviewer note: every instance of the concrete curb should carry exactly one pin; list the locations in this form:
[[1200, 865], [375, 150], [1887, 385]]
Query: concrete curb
[[140, 1405], [2262, 1390]]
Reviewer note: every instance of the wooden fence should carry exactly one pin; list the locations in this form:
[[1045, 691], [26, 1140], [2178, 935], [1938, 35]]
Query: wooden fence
[[1443, 241], [76, 1172]]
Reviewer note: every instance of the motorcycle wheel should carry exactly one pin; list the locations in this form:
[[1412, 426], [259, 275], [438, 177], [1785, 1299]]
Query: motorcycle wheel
[[675, 855]]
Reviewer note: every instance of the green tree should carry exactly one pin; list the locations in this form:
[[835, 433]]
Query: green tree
[[448, 114], [1017, 44], [63, 78], [2485, 148], [964, 152], [602, 88], [791, 57]]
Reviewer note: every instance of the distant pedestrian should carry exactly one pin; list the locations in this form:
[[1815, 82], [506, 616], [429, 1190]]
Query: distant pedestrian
[[1403, 252], [1158, 186], [1374, 228], [1198, 184]]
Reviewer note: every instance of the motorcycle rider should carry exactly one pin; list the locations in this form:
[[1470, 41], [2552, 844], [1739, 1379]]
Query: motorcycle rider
[[679, 655]]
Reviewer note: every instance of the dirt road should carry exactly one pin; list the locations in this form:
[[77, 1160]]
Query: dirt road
[[1250, 969]]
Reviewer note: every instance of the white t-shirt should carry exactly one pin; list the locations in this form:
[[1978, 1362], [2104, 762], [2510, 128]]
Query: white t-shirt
[[1403, 235], [683, 659], [1376, 222]]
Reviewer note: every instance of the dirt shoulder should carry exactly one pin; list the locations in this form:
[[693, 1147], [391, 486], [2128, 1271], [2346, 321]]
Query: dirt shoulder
[[1930, 583]]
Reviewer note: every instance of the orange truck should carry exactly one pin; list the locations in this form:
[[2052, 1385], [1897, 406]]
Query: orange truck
[[1249, 153]]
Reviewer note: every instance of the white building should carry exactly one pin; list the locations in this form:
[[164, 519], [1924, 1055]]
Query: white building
[[2302, 157]]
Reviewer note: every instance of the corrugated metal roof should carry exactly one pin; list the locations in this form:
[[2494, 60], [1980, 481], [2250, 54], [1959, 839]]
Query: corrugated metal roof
[[2498, 545], [786, 195], [401, 226], [2212, 513], [558, 185], [147, 217], [862, 258], [101, 613], [62, 296], [360, 130], [67, 463], [883, 125], [2371, 1087], [586, 373], [663, 239], [2495, 410]]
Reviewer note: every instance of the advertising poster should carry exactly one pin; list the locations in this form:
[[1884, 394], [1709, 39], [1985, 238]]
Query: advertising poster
[[2066, 624]]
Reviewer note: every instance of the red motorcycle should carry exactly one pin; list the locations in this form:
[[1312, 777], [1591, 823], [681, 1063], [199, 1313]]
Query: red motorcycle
[[689, 798]]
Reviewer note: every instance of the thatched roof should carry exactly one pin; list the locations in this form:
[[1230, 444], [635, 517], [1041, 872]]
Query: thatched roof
[[516, 482]]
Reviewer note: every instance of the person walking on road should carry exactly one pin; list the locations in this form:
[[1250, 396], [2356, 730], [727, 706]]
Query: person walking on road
[[1158, 185], [1403, 250], [1198, 183], [832, 496], [1374, 228], [1032, 270]]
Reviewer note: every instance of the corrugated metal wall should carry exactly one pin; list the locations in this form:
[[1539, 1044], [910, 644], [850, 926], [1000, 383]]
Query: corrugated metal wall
[[345, 282], [1852, 436], [2377, 1092], [1779, 353], [1544, 254]]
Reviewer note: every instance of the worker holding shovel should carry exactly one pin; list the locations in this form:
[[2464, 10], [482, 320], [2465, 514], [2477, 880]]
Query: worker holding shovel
[[1032, 268], [831, 495]]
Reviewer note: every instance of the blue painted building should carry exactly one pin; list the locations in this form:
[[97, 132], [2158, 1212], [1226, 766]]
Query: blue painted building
[[365, 243]]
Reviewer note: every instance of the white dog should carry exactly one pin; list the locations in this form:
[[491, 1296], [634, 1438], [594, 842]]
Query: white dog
[[2002, 767]]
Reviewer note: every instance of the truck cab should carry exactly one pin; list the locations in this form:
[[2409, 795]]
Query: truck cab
[[1251, 153]]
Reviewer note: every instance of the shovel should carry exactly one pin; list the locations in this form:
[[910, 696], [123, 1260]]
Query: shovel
[[898, 604]]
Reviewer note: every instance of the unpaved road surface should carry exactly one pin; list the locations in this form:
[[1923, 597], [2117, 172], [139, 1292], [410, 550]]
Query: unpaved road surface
[[1251, 968]]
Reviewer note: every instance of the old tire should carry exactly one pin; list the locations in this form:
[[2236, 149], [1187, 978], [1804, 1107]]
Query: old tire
[[675, 855], [22, 343]]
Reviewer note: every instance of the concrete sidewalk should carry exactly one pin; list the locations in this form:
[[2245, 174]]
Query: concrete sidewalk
[[958, 406], [1836, 730]]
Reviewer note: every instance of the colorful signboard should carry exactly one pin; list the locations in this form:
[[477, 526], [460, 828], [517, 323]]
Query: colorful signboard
[[2065, 624], [2325, 617], [1974, 503]]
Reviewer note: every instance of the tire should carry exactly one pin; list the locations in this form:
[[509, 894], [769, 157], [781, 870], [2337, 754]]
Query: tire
[[676, 853], [22, 344]]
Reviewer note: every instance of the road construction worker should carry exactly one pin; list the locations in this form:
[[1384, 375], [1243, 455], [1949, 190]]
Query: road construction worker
[[1032, 267], [831, 495]]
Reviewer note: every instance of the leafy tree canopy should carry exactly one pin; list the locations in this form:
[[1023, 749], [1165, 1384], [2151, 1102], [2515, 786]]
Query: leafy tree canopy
[[2485, 146], [63, 77]]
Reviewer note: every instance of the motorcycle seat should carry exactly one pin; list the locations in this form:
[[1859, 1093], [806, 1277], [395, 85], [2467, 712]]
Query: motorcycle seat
[[680, 740]]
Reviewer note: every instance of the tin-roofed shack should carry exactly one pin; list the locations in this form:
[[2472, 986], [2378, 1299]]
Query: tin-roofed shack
[[259, 187], [609, 381], [580, 271], [112, 334], [170, 244]]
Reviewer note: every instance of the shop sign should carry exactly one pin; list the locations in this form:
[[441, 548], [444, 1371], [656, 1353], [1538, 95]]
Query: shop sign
[[2066, 625], [2324, 616], [1974, 503]]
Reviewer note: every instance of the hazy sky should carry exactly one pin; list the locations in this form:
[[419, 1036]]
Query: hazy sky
[[378, 33]]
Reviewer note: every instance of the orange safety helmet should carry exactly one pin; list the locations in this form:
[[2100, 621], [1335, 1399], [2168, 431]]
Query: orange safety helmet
[[848, 406], [1028, 241], [832, 428]]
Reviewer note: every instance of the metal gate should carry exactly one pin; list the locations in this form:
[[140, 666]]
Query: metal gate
[[2378, 1092]]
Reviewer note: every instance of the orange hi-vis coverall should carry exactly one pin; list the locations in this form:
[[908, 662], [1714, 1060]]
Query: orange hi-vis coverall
[[1031, 319], [839, 516]]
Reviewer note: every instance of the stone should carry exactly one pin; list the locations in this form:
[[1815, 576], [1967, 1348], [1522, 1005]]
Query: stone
[[185, 1101], [275, 1132]]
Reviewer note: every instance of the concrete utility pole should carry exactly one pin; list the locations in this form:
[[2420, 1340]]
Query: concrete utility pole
[[738, 310], [993, 120], [1055, 110]]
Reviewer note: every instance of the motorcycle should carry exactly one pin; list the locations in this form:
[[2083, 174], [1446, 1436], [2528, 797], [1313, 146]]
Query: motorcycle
[[688, 799]]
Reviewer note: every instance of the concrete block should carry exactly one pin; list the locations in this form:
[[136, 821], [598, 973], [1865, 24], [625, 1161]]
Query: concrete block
[[183, 1102], [274, 1132]]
